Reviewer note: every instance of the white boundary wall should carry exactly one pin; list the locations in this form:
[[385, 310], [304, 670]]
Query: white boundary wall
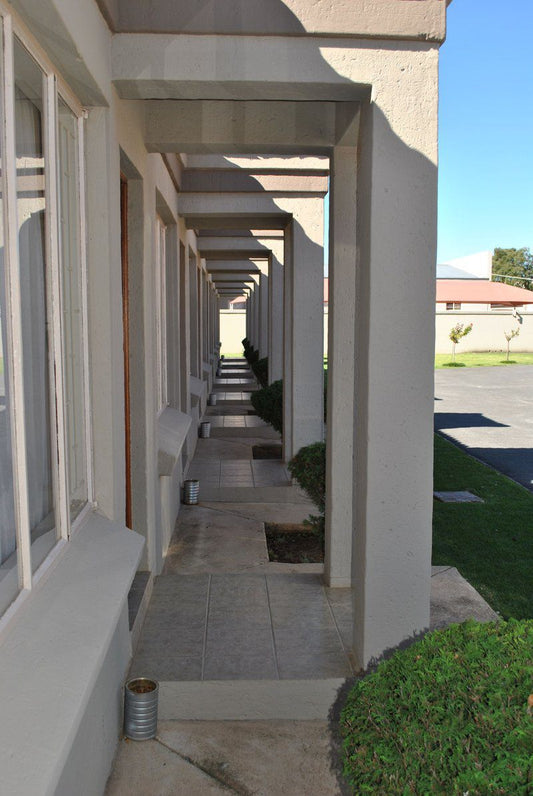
[[232, 330], [488, 331]]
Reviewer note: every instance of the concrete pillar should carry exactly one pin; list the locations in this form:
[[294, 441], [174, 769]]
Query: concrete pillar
[[303, 374], [341, 367], [193, 313], [185, 329], [255, 311], [275, 326], [263, 309], [396, 228]]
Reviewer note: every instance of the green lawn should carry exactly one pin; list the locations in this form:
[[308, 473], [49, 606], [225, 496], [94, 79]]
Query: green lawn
[[483, 359], [490, 543]]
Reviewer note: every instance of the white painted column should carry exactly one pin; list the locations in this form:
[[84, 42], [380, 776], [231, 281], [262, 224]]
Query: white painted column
[[396, 227], [341, 367], [304, 328], [185, 329], [263, 308], [275, 330], [255, 311]]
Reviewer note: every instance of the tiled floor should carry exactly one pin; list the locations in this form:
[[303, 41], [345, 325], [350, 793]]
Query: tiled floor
[[239, 472], [245, 627], [233, 396], [236, 421]]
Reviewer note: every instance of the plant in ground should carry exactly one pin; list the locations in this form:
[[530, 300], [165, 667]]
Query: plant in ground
[[449, 715], [268, 403], [308, 467], [457, 332], [509, 336], [260, 371]]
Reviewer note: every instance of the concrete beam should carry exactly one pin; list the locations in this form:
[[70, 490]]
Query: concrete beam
[[231, 180], [353, 18], [247, 127]]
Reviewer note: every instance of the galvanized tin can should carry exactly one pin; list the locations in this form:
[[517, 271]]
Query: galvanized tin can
[[191, 491], [205, 429], [140, 708], [212, 399]]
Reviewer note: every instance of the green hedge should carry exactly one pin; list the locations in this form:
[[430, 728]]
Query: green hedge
[[308, 468], [260, 370], [268, 403], [448, 715]]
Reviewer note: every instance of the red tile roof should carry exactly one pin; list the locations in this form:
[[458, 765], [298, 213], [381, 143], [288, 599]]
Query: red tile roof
[[481, 291]]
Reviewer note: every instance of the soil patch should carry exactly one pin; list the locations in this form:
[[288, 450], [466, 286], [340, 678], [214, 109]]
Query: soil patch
[[293, 544], [266, 451]]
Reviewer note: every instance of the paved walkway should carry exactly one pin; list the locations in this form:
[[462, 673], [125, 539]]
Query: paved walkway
[[249, 653], [488, 411]]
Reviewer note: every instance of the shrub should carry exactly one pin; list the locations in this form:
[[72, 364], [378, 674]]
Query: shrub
[[449, 715], [268, 403], [260, 369], [308, 467]]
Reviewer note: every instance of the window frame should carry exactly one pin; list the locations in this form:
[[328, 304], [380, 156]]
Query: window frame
[[12, 29]]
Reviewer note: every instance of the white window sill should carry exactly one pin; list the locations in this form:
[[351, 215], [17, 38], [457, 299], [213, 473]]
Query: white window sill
[[172, 430], [52, 651]]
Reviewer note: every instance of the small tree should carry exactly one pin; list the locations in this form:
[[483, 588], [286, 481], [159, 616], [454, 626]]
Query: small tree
[[509, 336], [456, 333]]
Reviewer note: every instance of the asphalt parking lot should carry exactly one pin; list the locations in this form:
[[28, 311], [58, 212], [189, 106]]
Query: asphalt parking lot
[[489, 411]]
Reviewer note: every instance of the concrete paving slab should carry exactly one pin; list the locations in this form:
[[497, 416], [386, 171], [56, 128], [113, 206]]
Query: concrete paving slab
[[148, 768], [267, 512], [271, 758], [248, 700], [259, 494], [453, 599], [457, 497]]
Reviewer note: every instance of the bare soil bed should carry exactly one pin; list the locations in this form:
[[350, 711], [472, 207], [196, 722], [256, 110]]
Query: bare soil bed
[[293, 544]]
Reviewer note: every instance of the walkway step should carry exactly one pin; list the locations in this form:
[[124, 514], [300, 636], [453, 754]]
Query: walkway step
[[226, 700], [251, 494]]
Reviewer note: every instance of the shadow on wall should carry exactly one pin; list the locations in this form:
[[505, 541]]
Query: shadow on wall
[[262, 17]]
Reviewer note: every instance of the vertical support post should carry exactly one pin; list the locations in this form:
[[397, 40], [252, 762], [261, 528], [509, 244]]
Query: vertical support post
[[275, 330], [341, 367], [304, 328], [394, 388], [263, 309]]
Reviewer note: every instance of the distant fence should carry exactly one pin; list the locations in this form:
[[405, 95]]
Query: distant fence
[[487, 333]]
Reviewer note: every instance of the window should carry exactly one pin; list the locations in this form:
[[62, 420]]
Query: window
[[44, 464], [453, 305]]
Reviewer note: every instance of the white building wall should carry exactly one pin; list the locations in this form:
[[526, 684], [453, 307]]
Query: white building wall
[[232, 331], [487, 333]]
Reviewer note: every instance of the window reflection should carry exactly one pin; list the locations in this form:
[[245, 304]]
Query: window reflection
[[29, 142]]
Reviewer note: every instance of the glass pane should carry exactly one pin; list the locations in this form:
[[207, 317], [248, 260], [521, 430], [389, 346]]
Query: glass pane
[[72, 307], [9, 581], [29, 140]]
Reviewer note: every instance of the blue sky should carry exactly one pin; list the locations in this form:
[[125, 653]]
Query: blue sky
[[486, 127]]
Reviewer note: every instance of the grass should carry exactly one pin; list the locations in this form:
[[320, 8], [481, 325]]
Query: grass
[[476, 359], [490, 543]]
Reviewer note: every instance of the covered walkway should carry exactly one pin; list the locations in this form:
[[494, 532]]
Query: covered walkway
[[221, 611], [229, 634], [249, 653]]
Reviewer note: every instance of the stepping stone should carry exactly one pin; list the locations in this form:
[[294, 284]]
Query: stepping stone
[[457, 497]]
